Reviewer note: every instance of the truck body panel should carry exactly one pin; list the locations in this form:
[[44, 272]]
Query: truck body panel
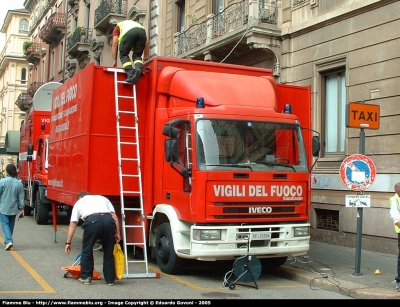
[[236, 178]]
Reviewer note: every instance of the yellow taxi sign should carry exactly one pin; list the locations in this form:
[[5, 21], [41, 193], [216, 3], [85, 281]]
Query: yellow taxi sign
[[362, 115]]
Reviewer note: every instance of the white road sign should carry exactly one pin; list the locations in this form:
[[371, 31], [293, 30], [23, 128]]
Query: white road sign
[[363, 201]]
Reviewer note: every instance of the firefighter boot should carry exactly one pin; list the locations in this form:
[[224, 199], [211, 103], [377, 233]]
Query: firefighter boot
[[130, 72], [138, 72]]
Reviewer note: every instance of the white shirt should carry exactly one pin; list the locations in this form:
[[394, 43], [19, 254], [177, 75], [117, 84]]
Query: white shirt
[[90, 204]]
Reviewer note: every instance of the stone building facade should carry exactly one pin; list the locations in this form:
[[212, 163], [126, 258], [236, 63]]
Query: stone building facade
[[347, 50], [13, 84]]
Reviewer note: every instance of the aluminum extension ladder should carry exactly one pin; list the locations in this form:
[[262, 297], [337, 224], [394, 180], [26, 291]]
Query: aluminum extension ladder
[[132, 216]]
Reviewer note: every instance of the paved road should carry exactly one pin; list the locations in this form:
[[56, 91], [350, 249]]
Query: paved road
[[32, 270]]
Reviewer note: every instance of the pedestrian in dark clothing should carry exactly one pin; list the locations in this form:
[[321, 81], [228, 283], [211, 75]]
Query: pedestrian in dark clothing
[[127, 36], [100, 223], [11, 203], [395, 215]]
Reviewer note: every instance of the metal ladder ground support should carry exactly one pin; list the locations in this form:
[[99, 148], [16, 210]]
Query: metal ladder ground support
[[133, 223]]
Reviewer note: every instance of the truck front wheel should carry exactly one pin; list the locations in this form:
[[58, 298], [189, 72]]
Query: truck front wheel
[[167, 260], [41, 211], [273, 262]]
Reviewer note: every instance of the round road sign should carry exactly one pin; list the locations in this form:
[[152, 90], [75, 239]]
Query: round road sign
[[357, 172]]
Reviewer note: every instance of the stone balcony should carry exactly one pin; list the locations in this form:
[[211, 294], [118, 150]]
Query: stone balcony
[[54, 28]]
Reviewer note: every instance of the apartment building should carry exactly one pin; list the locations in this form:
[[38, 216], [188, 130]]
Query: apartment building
[[13, 84], [347, 50]]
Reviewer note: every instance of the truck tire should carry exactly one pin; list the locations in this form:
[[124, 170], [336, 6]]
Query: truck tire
[[167, 260], [41, 211], [273, 262]]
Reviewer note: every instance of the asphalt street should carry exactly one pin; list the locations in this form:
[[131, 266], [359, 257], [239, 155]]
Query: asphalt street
[[32, 270]]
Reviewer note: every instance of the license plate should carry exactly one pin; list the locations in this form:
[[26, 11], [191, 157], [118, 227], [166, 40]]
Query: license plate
[[262, 235]]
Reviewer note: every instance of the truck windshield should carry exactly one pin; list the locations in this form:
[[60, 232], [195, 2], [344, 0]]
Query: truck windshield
[[249, 145]]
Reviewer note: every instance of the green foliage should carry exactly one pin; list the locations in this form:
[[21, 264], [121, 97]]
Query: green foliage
[[80, 30], [26, 45]]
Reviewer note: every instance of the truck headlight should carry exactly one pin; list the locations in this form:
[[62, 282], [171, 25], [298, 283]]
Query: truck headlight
[[303, 231], [206, 234]]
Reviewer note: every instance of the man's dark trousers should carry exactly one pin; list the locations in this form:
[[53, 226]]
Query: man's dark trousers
[[98, 227]]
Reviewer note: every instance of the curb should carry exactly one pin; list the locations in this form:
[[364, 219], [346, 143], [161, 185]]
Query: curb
[[351, 289]]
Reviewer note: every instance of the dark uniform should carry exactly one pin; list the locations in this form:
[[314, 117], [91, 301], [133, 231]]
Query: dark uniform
[[131, 37]]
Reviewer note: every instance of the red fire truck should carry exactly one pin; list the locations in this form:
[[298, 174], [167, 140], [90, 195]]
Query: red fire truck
[[224, 163]]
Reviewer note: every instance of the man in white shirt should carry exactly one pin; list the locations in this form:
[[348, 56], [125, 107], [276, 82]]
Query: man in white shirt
[[395, 215], [100, 223]]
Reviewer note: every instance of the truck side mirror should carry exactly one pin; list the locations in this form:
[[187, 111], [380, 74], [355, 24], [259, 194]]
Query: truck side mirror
[[315, 146], [171, 150], [171, 132], [29, 153]]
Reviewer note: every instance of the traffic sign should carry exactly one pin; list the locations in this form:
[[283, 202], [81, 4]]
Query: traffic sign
[[358, 201], [362, 115], [357, 172]]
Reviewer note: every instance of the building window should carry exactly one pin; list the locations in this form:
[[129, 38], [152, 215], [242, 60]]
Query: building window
[[23, 76], [61, 61], [23, 26], [330, 110], [327, 219], [181, 15], [218, 6], [43, 75], [334, 112], [52, 63]]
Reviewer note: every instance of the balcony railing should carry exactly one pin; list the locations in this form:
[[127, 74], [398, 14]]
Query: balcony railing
[[24, 101], [231, 19], [32, 53], [53, 28], [33, 87], [108, 9], [79, 40]]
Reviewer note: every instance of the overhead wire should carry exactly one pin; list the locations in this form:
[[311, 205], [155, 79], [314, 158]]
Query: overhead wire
[[245, 32]]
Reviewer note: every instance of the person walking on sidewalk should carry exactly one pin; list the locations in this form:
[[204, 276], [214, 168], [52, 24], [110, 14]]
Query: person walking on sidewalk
[[127, 36], [100, 222], [395, 215], [11, 202]]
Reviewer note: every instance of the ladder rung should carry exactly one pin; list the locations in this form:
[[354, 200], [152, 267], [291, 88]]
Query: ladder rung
[[128, 143], [127, 112], [148, 275], [133, 97], [132, 192], [129, 159], [128, 128], [136, 261]]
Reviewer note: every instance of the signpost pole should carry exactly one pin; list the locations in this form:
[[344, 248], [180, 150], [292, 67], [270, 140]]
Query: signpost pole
[[359, 215]]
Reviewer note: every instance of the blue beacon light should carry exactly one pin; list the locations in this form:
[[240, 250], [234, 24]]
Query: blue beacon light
[[200, 102], [287, 109]]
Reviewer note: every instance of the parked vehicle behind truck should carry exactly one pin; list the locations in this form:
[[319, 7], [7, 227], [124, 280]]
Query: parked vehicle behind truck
[[33, 155], [225, 158]]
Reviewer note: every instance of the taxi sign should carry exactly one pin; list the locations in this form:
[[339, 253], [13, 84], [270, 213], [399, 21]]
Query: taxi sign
[[357, 172], [362, 115]]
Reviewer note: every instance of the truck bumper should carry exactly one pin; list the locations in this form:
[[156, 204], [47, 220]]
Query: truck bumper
[[261, 240]]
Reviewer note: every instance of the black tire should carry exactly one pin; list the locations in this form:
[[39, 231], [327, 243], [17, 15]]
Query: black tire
[[27, 210], [167, 260], [41, 211], [273, 262]]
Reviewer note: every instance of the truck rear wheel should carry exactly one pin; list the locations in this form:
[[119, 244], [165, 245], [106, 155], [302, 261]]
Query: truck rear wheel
[[41, 211], [167, 260]]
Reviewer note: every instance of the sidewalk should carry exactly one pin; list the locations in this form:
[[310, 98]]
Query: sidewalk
[[332, 267]]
